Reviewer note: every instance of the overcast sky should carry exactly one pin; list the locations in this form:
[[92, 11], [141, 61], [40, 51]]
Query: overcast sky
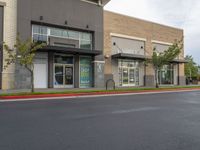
[[183, 14]]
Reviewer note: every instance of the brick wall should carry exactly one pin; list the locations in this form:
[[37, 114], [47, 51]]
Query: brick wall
[[129, 26]]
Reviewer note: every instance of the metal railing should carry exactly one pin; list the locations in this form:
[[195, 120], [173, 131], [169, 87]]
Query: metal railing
[[107, 82]]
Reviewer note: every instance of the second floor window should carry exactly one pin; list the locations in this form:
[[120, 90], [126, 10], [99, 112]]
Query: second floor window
[[42, 34]]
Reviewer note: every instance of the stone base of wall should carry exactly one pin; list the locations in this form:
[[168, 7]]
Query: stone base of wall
[[182, 80], [149, 80], [22, 78], [8, 81]]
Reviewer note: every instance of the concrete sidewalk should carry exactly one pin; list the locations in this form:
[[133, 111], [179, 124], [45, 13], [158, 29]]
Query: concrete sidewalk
[[48, 90], [77, 89], [93, 94]]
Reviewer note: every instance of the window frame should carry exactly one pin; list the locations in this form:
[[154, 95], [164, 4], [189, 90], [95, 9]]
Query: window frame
[[79, 38]]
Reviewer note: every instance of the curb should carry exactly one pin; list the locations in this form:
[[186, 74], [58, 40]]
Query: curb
[[76, 95]]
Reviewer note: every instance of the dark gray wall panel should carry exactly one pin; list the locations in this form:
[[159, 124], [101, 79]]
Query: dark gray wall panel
[[77, 13]]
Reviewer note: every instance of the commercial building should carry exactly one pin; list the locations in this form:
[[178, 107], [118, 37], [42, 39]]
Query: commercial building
[[73, 31], [86, 45], [129, 41]]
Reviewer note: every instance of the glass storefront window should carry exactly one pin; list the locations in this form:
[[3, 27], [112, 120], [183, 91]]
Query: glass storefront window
[[39, 29], [86, 45], [86, 75], [166, 75], [56, 32], [63, 59], [63, 71], [71, 34], [40, 38], [128, 73], [86, 36], [59, 75], [42, 33]]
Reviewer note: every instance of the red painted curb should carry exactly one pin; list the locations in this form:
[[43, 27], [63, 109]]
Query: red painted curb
[[90, 94]]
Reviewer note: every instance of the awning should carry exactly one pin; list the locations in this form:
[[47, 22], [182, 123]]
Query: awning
[[128, 56], [70, 50]]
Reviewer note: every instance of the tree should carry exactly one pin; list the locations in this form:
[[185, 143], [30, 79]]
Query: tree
[[159, 59], [191, 68], [23, 54]]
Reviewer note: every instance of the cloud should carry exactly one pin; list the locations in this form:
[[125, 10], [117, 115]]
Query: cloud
[[177, 13]]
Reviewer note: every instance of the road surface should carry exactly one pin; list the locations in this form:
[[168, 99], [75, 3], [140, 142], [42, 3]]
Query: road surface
[[140, 122]]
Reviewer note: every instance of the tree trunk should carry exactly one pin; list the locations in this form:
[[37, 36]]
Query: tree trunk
[[156, 78], [32, 82]]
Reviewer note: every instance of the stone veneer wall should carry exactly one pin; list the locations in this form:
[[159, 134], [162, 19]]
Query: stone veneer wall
[[10, 30], [129, 26]]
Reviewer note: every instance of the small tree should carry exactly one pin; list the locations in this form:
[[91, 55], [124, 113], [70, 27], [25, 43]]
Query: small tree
[[191, 68], [23, 54], [158, 60]]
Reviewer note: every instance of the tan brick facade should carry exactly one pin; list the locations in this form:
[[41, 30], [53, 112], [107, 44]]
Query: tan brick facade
[[133, 27], [10, 31]]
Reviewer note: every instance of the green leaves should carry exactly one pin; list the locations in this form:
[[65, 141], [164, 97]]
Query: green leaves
[[23, 53], [191, 68], [159, 59]]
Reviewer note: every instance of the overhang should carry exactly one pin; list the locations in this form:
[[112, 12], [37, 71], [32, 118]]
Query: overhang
[[67, 50], [128, 56]]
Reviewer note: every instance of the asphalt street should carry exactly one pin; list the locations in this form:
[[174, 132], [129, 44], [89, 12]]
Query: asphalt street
[[140, 122]]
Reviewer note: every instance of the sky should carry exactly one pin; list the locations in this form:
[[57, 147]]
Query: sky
[[184, 14]]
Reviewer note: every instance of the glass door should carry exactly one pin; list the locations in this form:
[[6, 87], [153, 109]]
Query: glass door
[[125, 76], [69, 75], [166, 75], [58, 75], [63, 76], [130, 76]]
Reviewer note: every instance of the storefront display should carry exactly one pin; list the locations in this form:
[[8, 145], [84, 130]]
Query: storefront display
[[86, 72]]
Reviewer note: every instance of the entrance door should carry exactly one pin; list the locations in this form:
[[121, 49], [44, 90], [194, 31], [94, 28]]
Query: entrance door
[[69, 75], [63, 76], [132, 76], [40, 75], [129, 76], [125, 77]]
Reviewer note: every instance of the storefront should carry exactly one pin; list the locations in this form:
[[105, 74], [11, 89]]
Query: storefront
[[63, 71], [86, 72], [128, 73], [70, 57], [166, 75]]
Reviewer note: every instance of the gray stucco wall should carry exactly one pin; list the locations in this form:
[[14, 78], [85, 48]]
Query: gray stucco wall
[[22, 76], [78, 15]]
